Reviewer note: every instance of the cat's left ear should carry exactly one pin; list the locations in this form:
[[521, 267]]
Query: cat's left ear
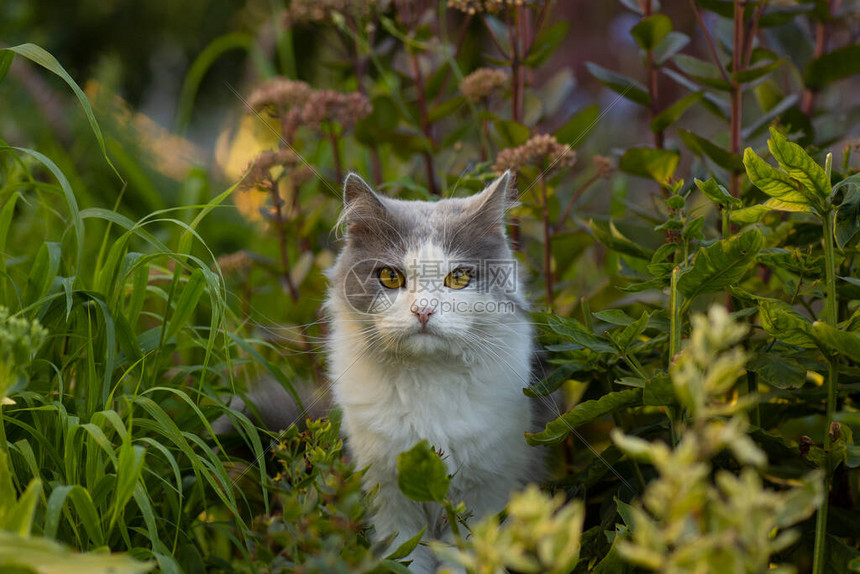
[[490, 205]]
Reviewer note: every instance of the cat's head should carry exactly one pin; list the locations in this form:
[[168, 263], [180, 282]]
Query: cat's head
[[426, 278]]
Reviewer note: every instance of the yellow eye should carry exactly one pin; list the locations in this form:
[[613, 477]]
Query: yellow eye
[[391, 278], [457, 279]]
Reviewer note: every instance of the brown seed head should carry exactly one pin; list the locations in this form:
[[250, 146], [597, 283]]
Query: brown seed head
[[331, 106], [489, 6], [279, 92], [483, 82], [603, 166], [324, 11], [542, 150]]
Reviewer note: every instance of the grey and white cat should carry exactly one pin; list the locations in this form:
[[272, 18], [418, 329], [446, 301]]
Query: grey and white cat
[[429, 339]]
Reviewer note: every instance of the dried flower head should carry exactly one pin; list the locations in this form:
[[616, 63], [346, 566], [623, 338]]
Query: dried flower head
[[489, 6], [603, 166], [326, 11], [238, 262], [483, 82], [540, 149], [260, 169], [279, 92], [329, 105]]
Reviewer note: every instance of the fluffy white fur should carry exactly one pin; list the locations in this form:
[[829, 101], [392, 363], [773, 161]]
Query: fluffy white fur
[[458, 383]]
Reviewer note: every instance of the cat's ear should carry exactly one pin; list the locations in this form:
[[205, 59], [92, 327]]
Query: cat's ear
[[489, 206], [362, 207]]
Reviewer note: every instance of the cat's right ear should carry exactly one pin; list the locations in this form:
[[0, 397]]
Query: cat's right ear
[[362, 207]]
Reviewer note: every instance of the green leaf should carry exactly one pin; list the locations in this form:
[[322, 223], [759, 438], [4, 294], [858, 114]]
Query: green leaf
[[704, 147], [574, 330], [407, 547], [187, 302], [513, 134], [547, 41], [577, 128], [627, 87], [833, 66], [717, 193], [722, 264], [656, 164], [5, 63], [755, 213], [703, 72], [842, 341], [48, 557], [38, 55], [422, 475], [782, 322], [778, 371], [609, 235], [797, 163], [673, 43], [659, 392], [752, 74], [628, 334], [650, 31], [584, 413], [18, 517], [672, 113], [847, 217], [554, 381], [774, 182]]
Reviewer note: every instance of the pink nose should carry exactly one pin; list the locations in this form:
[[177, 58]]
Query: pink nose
[[423, 314]]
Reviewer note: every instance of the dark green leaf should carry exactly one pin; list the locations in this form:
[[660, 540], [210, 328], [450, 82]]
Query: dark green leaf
[[751, 74], [609, 235], [422, 475], [717, 193], [659, 392], [625, 338], [546, 43], [833, 66], [5, 63], [672, 113], [574, 330], [778, 371], [848, 217], [577, 128], [673, 43], [702, 146], [703, 72], [650, 31], [584, 413], [846, 343], [656, 164], [554, 381], [722, 264], [627, 87], [782, 322], [615, 317], [513, 134], [407, 547]]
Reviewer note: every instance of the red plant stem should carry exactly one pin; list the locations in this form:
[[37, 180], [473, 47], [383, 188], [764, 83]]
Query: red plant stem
[[576, 195], [360, 69], [710, 41], [282, 242], [807, 102], [418, 78], [653, 84], [335, 152], [547, 246], [737, 94], [516, 65], [749, 41]]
